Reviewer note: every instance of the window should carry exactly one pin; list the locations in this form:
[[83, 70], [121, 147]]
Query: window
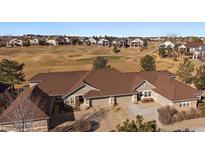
[[149, 93], [145, 94], [184, 104]]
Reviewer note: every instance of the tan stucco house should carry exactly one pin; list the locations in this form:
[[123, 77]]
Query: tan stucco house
[[104, 87]]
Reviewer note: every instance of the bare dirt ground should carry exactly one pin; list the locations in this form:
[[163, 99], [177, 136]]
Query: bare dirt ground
[[106, 119]]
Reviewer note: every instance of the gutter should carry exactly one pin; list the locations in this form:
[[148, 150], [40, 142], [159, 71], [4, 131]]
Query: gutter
[[126, 94]]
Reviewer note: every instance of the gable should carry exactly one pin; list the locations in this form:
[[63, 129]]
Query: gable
[[83, 90], [145, 85], [80, 91]]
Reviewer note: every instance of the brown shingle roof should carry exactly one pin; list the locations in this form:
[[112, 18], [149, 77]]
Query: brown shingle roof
[[58, 83], [194, 44], [35, 102], [109, 82], [169, 87], [174, 90], [113, 82]]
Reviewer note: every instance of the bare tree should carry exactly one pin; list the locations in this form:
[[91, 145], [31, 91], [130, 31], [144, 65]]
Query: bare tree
[[22, 111], [172, 37]]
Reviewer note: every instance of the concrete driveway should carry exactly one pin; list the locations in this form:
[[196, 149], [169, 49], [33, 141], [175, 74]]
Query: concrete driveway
[[148, 110]]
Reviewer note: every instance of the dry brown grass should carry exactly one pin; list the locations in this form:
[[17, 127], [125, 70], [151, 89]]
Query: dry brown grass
[[73, 58]]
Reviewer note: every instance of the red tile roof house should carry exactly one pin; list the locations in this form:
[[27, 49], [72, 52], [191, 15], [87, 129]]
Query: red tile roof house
[[104, 87]]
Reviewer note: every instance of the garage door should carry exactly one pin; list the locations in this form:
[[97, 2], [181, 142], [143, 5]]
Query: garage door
[[102, 102], [124, 100]]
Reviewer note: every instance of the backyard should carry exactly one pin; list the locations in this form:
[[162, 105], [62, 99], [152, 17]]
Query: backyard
[[72, 58]]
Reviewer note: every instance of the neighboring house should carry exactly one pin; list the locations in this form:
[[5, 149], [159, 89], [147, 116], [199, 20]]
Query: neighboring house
[[76, 40], [3, 42], [104, 42], [104, 87], [25, 41], [168, 44], [182, 49], [90, 41], [62, 40], [42, 40], [15, 42], [119, 42], [193, 46], [51, 42], [34, 41], [93, 41], [81, 40], [135, 43], [32, 106], [199, 53]]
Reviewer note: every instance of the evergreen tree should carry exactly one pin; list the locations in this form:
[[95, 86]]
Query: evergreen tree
[[162, 53], [147, 63], [11, 72], [100, 63], [200, 78], [138, 126], [185, 70]]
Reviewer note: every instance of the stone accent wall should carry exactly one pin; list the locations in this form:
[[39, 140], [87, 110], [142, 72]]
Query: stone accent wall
[[36, 126]]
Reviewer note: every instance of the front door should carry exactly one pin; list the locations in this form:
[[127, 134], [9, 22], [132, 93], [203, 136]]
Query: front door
[[139, 96], [79, 100]]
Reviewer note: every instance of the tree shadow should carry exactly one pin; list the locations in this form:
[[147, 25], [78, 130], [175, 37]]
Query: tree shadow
[[66, 115], [88, 123]]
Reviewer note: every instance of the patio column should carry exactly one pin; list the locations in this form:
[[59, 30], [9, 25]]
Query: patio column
[[75, 100], [86, 102], [193, 56]]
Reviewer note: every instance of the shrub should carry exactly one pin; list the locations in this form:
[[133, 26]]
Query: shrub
[[162, 53], [100, 63], [185, 71], [193, 113], [147, 63], [166, 115], [115, 49], [174, 56], [200, 78], [138, 125], [201, 107], [147, 100], [115, 107], [184, 130]]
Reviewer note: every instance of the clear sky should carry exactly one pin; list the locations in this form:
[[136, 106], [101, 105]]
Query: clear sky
[[104, 28]]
